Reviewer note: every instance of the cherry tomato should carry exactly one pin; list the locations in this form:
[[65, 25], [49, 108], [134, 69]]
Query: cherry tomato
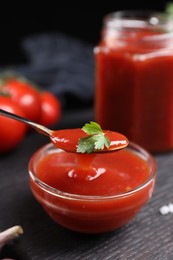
[[12, 132], [50, 109], [24, 94]]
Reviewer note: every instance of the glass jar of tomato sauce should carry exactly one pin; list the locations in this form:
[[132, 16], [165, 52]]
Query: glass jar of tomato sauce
[[134, 78]]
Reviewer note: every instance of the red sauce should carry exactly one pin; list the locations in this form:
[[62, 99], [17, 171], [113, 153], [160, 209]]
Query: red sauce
[[134, 93], [93, 174], [96, 174], [67, 139]]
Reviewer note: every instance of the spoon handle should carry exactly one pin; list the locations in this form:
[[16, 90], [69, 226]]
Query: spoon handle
[[40, 128]]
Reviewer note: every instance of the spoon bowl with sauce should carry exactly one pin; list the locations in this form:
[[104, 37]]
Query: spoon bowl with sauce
[[67, 139]]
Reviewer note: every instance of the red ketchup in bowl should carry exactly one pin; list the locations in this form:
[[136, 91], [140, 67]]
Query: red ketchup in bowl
[[95, 192]]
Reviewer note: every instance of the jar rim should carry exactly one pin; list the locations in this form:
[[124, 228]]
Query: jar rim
[[139, 19]]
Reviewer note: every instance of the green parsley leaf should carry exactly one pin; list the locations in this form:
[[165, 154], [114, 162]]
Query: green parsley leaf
[[96, 139], [169, 8], [86, 144], [92, 128], [101, 142]]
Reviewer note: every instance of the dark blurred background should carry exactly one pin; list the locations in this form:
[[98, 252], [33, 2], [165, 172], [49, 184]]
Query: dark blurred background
[[83, 22]]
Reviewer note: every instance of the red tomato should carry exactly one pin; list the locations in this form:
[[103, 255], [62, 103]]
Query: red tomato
[[25, 95], [12, 132], [51, 109]]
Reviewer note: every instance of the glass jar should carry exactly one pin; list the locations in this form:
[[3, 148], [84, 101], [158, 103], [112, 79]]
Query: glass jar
[[134, 78]]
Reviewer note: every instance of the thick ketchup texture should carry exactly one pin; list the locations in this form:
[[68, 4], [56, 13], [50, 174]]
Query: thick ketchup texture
[[92, 193], [93, 174], [67, 139], [134, 90]]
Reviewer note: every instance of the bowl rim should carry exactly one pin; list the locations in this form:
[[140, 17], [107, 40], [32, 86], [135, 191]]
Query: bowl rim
[[140, 151]]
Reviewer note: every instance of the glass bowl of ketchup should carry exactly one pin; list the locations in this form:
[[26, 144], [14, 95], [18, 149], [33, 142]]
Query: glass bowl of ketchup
[[92, 193]]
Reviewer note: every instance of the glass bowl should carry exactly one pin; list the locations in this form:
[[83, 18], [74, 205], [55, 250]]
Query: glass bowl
[[90, 213]]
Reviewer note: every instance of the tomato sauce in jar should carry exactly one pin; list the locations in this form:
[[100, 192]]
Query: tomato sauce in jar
[[134, 78]]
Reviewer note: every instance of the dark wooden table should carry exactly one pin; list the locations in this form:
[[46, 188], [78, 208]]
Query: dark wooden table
[[148, 237]]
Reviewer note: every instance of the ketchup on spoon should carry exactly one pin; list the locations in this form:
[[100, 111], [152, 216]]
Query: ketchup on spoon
[[67, 139]]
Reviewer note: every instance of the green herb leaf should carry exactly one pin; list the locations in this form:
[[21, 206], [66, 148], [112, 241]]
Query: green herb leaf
[[169, 8], [101, 142], [96, 139], [86, 144], [92, 128]]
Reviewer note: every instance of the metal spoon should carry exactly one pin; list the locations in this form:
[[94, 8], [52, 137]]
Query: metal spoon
[[40, 128], [67, 139]]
